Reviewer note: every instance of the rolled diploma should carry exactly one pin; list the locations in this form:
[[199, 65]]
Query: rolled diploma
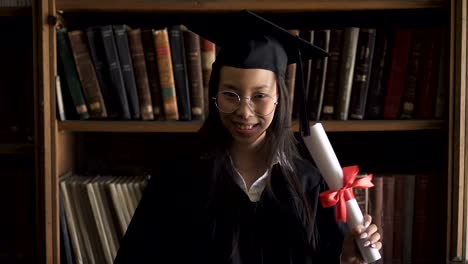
[[325, 158]]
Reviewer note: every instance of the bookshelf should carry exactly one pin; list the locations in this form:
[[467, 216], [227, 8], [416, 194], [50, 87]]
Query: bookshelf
[[193, 126], [413, 145]]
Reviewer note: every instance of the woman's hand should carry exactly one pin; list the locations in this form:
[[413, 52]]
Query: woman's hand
[[371, 236]]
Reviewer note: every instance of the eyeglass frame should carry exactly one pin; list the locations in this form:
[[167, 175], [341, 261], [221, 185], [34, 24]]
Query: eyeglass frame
[[249, 102]]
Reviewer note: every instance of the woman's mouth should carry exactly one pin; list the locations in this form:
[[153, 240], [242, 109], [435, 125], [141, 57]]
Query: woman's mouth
[[245, 129]]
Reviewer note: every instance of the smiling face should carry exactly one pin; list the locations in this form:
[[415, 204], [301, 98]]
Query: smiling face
[[246, 126]]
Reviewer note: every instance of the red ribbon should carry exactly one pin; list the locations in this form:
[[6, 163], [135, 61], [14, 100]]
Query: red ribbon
[[339, 197]]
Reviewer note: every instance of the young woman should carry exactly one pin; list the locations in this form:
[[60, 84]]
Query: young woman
[[245, 194]]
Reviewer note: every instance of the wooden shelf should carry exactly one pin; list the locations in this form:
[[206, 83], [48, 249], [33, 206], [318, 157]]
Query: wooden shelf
[[190, 127], [233, 5], [15, 11], [16, 148]]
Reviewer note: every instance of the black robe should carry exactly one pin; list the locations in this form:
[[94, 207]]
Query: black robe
[[174, 224]]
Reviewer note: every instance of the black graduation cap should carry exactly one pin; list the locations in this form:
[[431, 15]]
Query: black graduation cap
[[248, 40]]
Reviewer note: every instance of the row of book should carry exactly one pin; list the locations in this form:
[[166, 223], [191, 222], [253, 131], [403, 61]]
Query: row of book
[[15, 3], [410, 216], [95, 213], [115, 72], [376, 74]]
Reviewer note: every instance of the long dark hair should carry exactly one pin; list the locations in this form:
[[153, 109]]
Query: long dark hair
[[280, 144]]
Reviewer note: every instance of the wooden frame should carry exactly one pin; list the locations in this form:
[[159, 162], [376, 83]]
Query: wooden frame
[[231, 5], [55, 140], [457, 135]]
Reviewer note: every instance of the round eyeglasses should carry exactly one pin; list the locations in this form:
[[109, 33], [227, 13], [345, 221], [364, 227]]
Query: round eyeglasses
[[260, 103]]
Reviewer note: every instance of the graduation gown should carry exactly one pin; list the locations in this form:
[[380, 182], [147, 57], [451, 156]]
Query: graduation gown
[[173, 224]]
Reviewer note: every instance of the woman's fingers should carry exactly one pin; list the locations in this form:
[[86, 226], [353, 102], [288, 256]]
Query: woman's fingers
[[367, 220]]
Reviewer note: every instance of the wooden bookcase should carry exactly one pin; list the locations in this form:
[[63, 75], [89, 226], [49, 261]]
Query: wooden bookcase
[[17, 138], [377, 145]]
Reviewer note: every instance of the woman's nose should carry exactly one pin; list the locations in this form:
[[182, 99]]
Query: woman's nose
[[245, 108]]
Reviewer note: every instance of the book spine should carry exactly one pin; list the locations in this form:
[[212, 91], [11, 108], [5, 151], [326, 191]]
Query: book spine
[[87, 74], [208, 56], [351, 36], [71, 76], [166, 74], [193, 54], [331, 83], [114, 68], [121, 40], [179, 65], [365, 52], [141, 76], [153, 73], [291, 82], [396, 80], [98, 56], [318, 74], [378, 77], [426, 99], [412, 75]]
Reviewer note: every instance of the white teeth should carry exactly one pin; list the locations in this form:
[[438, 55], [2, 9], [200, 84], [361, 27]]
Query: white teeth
[[244, 126]]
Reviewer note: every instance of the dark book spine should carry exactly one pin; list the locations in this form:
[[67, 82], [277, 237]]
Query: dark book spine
[[426, 98], [141, 76], [412, 74], [194, 68], [331, 84], [396, 80], [114, 68], [388, 215], [87, 74], [98, 55], [71, 75], [318, 73], [180, 72], [126, 64], [291, 84], [309, 36], [365, 52], [378, 76], [153, 73], [65, 240]]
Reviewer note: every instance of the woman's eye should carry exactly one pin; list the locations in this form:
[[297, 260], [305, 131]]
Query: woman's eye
[[259, 96], [230, 95]]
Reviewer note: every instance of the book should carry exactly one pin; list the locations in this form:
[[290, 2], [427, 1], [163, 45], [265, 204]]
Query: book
[[70, 73], [98, 56], [195, 76], [362, 71], [378, 76], [126, 65], [166, 74], [179, 67], [153, 73], [318, 74], [141, 74], [346, 72], [331, 84], [87, 74], [397, 74], [110, 48]]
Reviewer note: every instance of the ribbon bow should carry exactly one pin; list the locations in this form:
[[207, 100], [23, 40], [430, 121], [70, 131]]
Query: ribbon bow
[[339, 197]]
